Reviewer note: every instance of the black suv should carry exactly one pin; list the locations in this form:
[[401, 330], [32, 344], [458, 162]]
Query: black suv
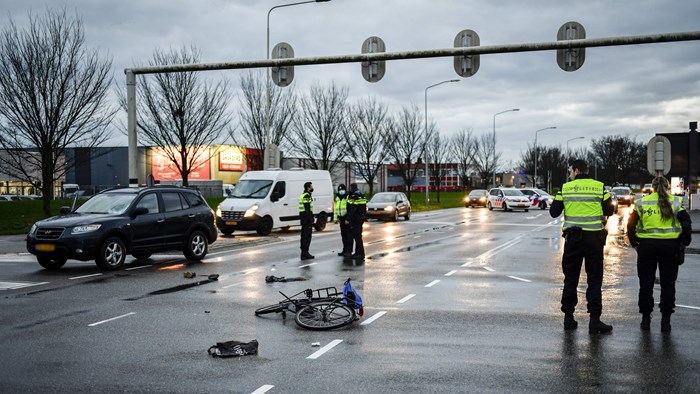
[[136, 221]]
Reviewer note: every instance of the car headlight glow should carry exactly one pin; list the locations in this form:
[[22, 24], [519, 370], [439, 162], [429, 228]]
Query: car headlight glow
[[389, 208], [85, 229], [251, 211], [482, 199], [218, 211]]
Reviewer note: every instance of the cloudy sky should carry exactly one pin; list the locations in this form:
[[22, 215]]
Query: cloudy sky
[[628, 90]]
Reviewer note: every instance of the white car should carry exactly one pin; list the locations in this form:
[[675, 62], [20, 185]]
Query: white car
[[507, 199], [538, 197]]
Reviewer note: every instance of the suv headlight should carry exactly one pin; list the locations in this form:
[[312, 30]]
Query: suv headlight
[[251, 211], [33, 229], [85, 229]]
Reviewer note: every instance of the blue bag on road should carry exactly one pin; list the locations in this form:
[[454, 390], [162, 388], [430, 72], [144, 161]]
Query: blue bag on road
[[352, 298]]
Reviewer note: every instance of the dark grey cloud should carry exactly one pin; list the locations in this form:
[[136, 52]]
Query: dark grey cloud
[[633, 90]]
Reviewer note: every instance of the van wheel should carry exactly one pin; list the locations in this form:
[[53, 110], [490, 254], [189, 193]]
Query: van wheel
[[265, 226], [321, 222], [197, 246], [111, 255], [51, 264]]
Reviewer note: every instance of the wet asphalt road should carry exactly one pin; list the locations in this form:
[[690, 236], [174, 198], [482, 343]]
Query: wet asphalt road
[[460, 300]]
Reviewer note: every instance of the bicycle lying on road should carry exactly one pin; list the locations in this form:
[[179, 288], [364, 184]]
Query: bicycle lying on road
[[319, 309]]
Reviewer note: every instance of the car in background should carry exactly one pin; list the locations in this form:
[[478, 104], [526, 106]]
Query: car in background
[[538, 197], [130, 220], [476, 198], [389, 206], [507, 199], [647, 189], [625, 195]]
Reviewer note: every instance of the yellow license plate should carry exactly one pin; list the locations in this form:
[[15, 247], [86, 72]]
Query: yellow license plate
[[375, 212], [45, 247], [231, 223], [522, 205]]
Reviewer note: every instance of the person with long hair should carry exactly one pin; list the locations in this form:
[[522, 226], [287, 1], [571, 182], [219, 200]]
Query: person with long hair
[[659, 228]]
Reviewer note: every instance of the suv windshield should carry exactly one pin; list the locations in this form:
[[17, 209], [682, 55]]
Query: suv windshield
[[251, 189], [112, 203]]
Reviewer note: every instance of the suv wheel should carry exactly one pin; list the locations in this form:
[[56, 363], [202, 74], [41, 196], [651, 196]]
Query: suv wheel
[[197, 246], [51, 264], [111, 255], [265, 226]]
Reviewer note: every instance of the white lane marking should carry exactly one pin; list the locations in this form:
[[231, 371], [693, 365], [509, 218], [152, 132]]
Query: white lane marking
[[373, 318], [521, 279], [489, 269], [307, 265], [450, 273], [139, 267], [84, 276], [467, 264], [417, 236], [433, 283], [408, 297], [19, 285], [324, 349], [109, 320], [687, 306], [233, 284], [263, 389]]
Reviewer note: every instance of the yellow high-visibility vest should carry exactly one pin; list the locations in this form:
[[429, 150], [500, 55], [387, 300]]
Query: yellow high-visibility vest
[[582, 200], [341, 207], [304, 199], [651, 224]]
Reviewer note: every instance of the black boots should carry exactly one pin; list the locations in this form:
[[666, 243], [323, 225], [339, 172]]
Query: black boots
[[596, 326], [666, 322], [569, 322], [646, 322], [307, 256]]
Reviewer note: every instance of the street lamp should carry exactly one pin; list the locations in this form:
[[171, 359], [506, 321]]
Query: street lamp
[[267, 78], [494, 140], [567, 149], [536, 156], [427, 175]]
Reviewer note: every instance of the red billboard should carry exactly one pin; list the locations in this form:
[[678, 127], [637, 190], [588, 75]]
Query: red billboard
[[164, 169]]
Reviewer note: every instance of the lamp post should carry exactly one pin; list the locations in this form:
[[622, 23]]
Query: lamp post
[[267, 78], [494, 140], [536, 155], [427, 174], [567, 150]]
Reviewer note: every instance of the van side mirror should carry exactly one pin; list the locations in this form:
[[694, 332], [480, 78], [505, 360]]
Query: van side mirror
[[275, 196]]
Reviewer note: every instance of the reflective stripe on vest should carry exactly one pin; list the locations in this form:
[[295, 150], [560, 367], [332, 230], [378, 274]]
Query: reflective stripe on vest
[[341, 207], [305, 198], [651, 224], [582, 200]]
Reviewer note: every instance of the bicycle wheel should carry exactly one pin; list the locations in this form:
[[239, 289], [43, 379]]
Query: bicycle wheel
[[324, 315], [271, 309]]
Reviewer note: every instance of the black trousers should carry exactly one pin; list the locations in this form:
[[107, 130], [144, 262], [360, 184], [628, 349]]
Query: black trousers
[[356, 237], [588, 247], [307, 222], [345, 235], [653, 253]]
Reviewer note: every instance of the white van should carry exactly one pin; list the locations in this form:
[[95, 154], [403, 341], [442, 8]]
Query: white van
[[263, 200]]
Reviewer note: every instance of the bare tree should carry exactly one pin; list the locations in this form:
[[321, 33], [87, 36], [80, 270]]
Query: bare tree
[[367, 126], [552, 166], [438, 156], [405, 144], [485, 158], [252, 114], [462, 151], [319, 132], [181, 113], [53, 94]]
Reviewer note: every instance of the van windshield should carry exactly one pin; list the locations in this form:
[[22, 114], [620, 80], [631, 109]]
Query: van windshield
[[251, 189]]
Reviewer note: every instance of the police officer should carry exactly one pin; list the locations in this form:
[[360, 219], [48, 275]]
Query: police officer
[[306, 216], [357, 208], [584, 202], [660, 228], [340, 213]]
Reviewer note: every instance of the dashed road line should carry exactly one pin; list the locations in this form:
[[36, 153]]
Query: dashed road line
[[433, 283], [19, 285], [489, 269], [467, 264], [451, 273], [307, 265], [109, 320], [687, 306], [324, 349], [521, 279], [84, 276], [408, 297], [373, 318], [263, 389], [139, 267]]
